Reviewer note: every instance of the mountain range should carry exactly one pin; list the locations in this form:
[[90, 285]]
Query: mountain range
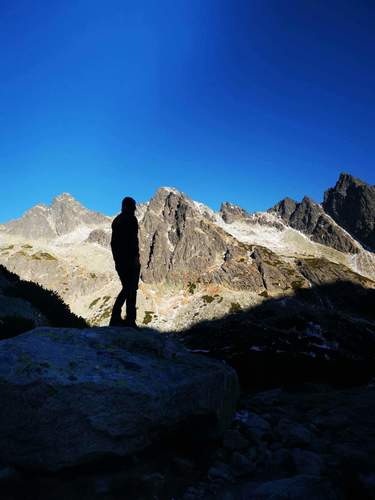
[[285, 297], [196, 263]]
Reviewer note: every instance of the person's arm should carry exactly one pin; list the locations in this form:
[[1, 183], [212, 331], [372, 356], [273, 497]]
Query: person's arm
[[133, 240], [116, 241]]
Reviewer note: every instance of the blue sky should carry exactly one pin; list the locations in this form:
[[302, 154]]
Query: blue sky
[[241, 100]]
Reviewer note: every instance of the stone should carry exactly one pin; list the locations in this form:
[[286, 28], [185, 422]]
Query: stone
[[255, 427], [351, 203], [234, 440], [310, 218], [8, 474], [307, 462], [282, 463], [299, 487], [367, 481], [220, 471], [75, 396], [64, 215], [293, 433], [241, 464], [231, 213], [183, 464]]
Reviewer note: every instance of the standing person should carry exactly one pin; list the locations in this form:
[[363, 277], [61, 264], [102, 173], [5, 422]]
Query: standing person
[[125, 251]]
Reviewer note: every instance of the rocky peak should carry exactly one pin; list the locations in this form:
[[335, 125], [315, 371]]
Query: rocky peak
[[310, 218], [47, 222], [64, 197], [351, 203], [285, 208], [345, 181], [170, 236], [231, 213], [166, 199]]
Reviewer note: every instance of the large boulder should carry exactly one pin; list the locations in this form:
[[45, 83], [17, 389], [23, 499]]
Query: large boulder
[[71, 396]]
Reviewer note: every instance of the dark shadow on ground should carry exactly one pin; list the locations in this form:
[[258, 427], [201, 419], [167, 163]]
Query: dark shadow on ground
[[321, 334]]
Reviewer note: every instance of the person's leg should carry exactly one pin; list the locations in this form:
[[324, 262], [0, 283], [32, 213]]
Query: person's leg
[[119, 302], [117, 306], [131, 309], [131, 287]]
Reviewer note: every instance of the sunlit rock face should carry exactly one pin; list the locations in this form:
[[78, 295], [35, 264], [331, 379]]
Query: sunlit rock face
[[196, 263], [64, 215]]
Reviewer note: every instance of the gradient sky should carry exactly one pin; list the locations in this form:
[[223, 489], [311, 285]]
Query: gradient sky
[[241, 100]]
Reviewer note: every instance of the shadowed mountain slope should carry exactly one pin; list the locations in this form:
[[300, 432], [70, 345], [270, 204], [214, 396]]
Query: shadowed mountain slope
[[310, 218], [351, 203], [24, 305], [321, 334]]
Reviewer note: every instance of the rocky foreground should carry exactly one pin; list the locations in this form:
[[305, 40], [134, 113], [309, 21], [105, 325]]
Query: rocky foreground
[[316, 443], [73, 396], [113, 413]]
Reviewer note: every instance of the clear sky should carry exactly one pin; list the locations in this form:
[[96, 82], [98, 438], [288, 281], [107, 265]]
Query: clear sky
[[241, 100]]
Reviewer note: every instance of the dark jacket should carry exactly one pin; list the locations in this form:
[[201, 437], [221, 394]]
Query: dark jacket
[[124, 241]]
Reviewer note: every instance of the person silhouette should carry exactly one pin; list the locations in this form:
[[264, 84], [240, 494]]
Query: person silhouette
[[125, 251]]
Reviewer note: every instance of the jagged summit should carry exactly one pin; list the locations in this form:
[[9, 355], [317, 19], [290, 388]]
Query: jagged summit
[[309, 217], [231, 213], [169, 189], [62, 216], [64, 197], [345, 179], [67, 200], [351, 203]]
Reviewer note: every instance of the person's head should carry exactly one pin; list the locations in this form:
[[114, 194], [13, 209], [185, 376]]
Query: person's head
[[128, 205]]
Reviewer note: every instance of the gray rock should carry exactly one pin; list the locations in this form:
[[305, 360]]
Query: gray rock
[[183, 464], [8, 474], [220, 471], [63, 216], [263, 454], [310, 218], [100, 236], [241, 464], [351, 203], [73, 396], [307, 462], [282, 463], [367, 482], [293, 433], [232, 213], [350, 455], [298, 487], [234, 440], [255, 427]]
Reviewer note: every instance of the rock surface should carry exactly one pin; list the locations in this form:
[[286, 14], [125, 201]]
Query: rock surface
[[310, 218], [75, 396], [64, 215], [337, 463], [232, 213], [351, 203]]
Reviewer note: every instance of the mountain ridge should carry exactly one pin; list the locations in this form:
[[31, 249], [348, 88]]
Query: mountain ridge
[[196, 263]]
